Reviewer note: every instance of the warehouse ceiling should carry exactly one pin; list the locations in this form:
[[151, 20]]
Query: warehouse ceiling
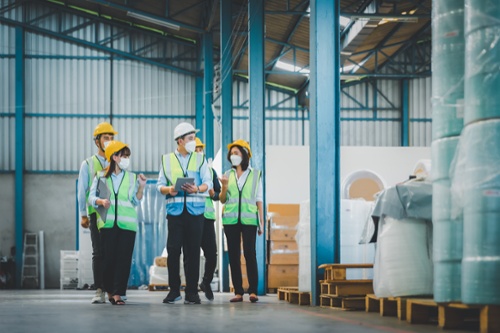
[[372, 32]]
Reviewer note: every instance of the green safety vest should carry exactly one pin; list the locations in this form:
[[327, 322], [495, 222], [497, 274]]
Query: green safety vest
[[242, 204], [172, 170], [94, 167], [121, 211], [209, 204]]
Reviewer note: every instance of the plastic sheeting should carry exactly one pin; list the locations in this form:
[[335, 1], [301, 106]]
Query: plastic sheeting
[[476, 195], [403, 260], [151, 236], [354, 214], [303, 238]]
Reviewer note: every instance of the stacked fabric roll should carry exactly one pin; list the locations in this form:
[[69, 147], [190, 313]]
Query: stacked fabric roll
[[476, 177], [448, 56]]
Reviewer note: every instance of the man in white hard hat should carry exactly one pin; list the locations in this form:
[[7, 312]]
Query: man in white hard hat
[[185, 209]]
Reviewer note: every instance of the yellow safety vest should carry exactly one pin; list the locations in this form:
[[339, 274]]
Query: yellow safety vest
[[242, 205]]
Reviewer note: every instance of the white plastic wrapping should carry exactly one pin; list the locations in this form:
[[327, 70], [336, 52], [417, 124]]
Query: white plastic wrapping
[[303, 238], [403, 260], [353, 217]]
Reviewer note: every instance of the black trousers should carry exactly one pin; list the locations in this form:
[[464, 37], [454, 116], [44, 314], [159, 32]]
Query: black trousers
[[209, 247], [95, 237], [184, 232], [234, 234], [118, 247]]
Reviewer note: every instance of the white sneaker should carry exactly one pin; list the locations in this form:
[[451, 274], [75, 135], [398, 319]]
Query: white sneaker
[[99, 297], [124, 297]]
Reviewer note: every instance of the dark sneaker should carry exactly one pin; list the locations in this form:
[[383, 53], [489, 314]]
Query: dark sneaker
[[172, 297], [207, 289], [192, 299]]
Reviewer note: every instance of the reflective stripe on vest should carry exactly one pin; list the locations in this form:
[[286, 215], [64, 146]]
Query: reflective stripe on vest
[[172, 170], [209, 204], [125, 214], [242, 204], [94, 167]]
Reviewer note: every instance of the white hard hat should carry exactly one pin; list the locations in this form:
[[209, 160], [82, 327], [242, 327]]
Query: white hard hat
[[183, 129]]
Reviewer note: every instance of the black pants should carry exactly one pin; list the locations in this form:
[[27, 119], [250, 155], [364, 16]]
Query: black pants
[[184, 232], [95, 237], [118, 247], [234, 234], [209, 247]]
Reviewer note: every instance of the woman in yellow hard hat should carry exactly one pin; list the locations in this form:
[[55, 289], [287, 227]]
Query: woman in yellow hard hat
[[243, 215], [103, 134], [115, 193]]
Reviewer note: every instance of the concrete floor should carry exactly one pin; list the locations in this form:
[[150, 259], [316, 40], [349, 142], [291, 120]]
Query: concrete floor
[[56, 311]]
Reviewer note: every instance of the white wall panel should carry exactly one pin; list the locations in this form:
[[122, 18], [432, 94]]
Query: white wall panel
[[420, 112]]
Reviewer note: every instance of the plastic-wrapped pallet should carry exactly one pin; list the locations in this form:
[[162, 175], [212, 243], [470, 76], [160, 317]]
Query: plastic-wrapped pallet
[[403, 259], [303, 238], [69, 269]]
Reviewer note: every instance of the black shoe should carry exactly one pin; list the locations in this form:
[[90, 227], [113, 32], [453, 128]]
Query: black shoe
[[172, 296], [192, 299], [207, 289]]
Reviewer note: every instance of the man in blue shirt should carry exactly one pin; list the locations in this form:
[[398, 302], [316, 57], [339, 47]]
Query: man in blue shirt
[[185, 209]]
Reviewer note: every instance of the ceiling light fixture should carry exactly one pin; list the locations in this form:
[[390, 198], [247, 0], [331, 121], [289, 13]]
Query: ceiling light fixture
[[390, 18], [154, 21]]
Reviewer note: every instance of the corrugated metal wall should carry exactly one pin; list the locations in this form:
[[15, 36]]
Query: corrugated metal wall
[[7, 98], [420, 112], [70, 88]]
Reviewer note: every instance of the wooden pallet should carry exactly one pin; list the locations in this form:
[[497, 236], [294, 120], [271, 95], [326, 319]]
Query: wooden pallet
[[342, 302], [347, 287], [158, 287], [338, 271], [284, 292], [386, 306]]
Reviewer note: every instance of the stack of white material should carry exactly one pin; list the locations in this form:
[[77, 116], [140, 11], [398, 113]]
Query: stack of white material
[[303, 238], [353, 217], [403, 260]]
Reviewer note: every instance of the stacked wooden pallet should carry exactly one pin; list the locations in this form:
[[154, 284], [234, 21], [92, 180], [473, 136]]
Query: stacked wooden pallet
[[338, 292], [294, 296], [486, 318]]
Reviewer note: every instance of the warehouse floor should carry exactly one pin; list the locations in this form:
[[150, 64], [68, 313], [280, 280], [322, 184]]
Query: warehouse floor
[[70, 311]]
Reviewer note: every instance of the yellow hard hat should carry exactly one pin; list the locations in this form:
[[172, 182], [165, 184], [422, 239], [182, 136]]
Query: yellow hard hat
[[104, 127], [199, 143], [113, 147], [242, 144]]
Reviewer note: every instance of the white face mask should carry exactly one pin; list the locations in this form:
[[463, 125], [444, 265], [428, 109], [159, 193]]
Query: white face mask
[[124, 163], [190, 146], [235, 160], [106, 144]]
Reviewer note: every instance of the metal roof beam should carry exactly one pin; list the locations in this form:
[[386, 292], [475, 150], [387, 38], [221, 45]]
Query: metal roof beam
[[187, 8], [126, 9]]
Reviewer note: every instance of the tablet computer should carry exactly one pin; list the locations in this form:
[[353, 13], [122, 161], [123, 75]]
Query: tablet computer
[[182, 181]]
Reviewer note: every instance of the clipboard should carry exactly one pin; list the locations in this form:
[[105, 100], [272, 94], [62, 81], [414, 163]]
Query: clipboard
[[102, 191], [181, 181]]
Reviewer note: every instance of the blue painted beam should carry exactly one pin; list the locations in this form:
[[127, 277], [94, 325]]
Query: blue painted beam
[[405, 113], [95, 46], [324, 138], [226, 61], [257, 116], [19, 172], [208, 56], [199, 106]]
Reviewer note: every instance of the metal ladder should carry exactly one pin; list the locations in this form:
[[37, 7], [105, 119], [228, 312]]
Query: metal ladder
[[29, 273]]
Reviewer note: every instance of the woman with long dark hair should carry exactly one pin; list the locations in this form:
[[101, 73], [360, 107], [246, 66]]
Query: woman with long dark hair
[[115, 193], [243, 216]]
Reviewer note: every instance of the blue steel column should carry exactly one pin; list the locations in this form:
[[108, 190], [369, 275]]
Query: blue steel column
[[226, 60], [19, 173], [199, 105], [405, 113], [257, 114], [208, 56], [325, 138]]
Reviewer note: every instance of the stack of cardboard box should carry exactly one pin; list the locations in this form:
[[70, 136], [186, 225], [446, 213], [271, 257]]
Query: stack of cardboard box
[[283, 253]]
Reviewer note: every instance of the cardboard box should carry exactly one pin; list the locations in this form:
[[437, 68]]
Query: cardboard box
[[284, 209], [284, 221], [283, 253], [282, 234], [161, 261], [282, 276]]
